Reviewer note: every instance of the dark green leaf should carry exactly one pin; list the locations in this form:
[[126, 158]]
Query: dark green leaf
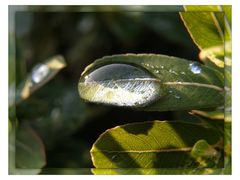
[[30, 151], [26, 152], [155, 82], [39, 76], [156, 144]]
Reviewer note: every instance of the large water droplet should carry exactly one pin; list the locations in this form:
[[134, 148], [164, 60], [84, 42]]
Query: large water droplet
[[39, 72], [195, 68], [121, 85]]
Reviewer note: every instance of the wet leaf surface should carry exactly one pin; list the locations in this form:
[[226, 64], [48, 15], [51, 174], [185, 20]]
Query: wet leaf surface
[[174, 83]]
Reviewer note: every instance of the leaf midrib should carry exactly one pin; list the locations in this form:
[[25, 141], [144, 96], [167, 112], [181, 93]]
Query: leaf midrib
[[183, 83], [183, 149]]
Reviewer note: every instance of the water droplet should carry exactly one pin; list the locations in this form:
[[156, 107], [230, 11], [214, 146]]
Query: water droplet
[[157, 71], [195, 68], [170, 91], [172, 71], [162, 67], [121, 85], [39, 73]]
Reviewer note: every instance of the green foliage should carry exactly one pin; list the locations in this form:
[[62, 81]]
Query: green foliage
[[182, 82], [26, 149], [139, 146], [29, 149], [157, 171], [211, 31], [155, 144], [27, 152], [219, 53], [49, 114], [39, 76]]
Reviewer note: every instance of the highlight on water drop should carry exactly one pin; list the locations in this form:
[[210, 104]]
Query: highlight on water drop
[[195, 68], [39, 72]]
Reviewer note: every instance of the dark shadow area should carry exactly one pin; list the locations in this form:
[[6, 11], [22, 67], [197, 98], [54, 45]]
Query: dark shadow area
[[140, 130]]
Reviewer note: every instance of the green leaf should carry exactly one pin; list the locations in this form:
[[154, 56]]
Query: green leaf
[[167, 83], [30, 151], [39, 76], [210, 29], [158, 171], [207, 155], [202, 27], [26, 152], [156, 144]]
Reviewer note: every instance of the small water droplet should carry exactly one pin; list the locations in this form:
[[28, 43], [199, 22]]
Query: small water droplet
[[162, 67], [172, 71], [39, 72], [195, 68], [121, 85], [170, 91], [157, 71], [147, 65]]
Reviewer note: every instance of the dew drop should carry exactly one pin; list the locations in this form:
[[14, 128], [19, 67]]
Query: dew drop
[[172, 71], [157, 71], [39, 73], [195, 68], [120, 85]]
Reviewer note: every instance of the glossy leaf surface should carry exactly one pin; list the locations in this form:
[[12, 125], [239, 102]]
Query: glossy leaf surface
[[181, 85]]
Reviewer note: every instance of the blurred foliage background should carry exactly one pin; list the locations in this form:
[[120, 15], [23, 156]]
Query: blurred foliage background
[[67, 125]]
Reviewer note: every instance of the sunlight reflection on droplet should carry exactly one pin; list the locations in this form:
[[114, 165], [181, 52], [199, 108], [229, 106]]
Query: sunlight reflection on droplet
[[195, 68], [39, 73]]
